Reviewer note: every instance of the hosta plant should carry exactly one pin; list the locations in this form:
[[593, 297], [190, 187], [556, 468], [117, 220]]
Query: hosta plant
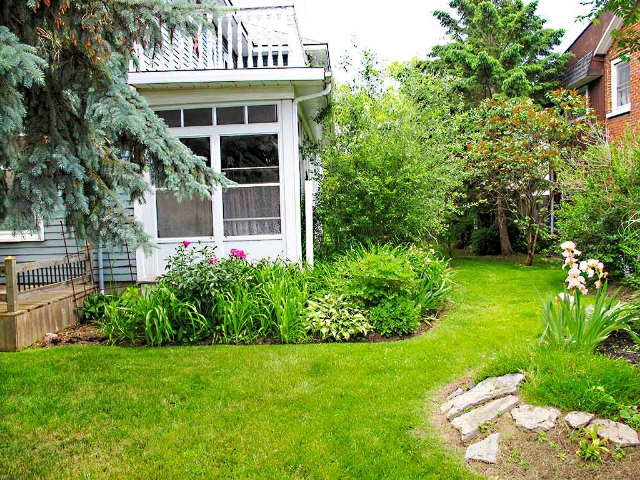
[[571, 322], [334, 318]]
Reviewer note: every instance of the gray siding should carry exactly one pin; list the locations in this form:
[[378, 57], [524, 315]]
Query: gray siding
[[53, 246]]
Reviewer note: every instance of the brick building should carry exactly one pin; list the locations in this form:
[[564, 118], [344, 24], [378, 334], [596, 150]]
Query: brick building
[[598, 70]]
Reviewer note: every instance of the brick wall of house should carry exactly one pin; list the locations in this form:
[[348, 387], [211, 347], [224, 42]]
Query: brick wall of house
[[617, 125]]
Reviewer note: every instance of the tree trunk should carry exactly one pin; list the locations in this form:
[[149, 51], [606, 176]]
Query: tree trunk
[[503, 212]]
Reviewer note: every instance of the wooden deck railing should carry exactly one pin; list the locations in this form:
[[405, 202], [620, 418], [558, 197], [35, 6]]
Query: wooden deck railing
[[24, 278]]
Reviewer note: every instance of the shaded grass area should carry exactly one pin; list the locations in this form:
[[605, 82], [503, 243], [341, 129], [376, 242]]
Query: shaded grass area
[[299, 411]]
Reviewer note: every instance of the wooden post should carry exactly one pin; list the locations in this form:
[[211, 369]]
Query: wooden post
[[88, 270], [11, 279]]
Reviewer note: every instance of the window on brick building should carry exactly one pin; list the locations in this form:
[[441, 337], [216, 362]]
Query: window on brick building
[[620, 85]]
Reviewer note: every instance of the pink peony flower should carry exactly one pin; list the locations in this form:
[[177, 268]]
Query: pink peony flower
[[186, 243], [238, 253], [213, 260]]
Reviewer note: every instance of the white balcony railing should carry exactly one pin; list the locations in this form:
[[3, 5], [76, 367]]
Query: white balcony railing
[[243, 38]]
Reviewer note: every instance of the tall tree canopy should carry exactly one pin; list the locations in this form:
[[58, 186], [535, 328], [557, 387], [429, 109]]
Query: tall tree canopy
[[498, 46], [73, 134]]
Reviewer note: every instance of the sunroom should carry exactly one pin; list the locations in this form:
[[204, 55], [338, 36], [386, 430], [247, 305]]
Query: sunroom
[[245, 102]]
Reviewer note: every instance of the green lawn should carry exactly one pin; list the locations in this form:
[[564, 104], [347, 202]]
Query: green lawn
[[306, 411]]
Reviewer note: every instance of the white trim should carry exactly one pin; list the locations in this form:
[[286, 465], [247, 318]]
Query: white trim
[[291, 74], [607, 40], [615, 108], [6, 236]]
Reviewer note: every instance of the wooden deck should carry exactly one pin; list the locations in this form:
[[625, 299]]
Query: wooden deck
[[40, 312]]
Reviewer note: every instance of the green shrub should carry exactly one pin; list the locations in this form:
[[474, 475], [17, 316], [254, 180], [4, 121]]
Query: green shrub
[[486, 240], [396, 316], [569, 379], [335, 318], [93, 306], [158, 317]]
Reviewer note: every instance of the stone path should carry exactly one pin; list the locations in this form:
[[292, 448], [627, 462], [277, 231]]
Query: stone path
[[472, 410]]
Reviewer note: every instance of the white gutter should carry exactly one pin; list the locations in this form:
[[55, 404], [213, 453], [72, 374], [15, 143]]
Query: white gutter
[[296, 156]]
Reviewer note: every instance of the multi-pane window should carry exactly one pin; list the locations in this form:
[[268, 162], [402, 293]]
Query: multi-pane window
[[192, 217], [252, 207], [622, 84], [202, 117]]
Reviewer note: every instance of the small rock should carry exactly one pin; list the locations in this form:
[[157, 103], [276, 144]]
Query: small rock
[[578, 419], [535, 418], [619, 433], [455, 393], [488, 389], [51, 338], [485, 451], [469, 423]]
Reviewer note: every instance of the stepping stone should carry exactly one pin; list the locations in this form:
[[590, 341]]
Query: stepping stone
[[578, 419], [455, 393], [485, 451], [619, 433], [469, 423], [489, 389], [535, 418]]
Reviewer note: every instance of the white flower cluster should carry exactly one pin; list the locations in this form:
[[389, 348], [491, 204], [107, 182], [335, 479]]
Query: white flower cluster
[[591, 268]]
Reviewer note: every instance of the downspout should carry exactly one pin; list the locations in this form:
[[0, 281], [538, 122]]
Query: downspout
[[296, 148], [100, 267]]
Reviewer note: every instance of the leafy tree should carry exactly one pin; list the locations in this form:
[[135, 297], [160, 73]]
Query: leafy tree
[[73, 134], [498, 46], [385, 175], [515, 147]]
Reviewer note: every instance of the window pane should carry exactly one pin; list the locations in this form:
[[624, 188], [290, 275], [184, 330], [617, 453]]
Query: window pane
[[251, 211], [249, 151], [171, 117], [189, 218], [251, 202], [230, 115], [237, 228], [254, 175], [196, 117], [200, 146], [623, 73], [262, 114]]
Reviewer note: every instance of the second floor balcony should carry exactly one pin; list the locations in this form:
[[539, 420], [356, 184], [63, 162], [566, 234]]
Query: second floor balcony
[[241, 39]]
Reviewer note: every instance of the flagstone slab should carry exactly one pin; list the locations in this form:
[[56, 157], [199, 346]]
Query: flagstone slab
[[484, 451], [489, 389], [469, 423], [578, 419], [616, 432], [532, 418]]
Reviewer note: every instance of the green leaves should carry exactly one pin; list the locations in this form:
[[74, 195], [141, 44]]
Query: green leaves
[[87, 137], [501, 47]]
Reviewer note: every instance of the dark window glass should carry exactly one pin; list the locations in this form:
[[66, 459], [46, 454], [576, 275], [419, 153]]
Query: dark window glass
[[197, 117], [200, 146], [230, 115], [191, 217], [254, 175], [262, 114], [171, 117], [245, 151]]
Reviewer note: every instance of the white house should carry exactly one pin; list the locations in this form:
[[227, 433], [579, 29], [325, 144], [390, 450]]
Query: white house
[[243, 96]]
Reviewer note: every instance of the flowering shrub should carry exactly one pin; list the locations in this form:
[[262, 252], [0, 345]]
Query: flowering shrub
[[233, 300], [568, 322]]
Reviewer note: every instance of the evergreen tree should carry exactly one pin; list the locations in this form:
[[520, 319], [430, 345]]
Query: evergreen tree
[[498, 46], [73, 134]]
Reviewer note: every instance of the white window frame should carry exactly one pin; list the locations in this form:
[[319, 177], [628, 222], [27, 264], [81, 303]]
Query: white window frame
[[6, 236], [215, 132], [615, 108]]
